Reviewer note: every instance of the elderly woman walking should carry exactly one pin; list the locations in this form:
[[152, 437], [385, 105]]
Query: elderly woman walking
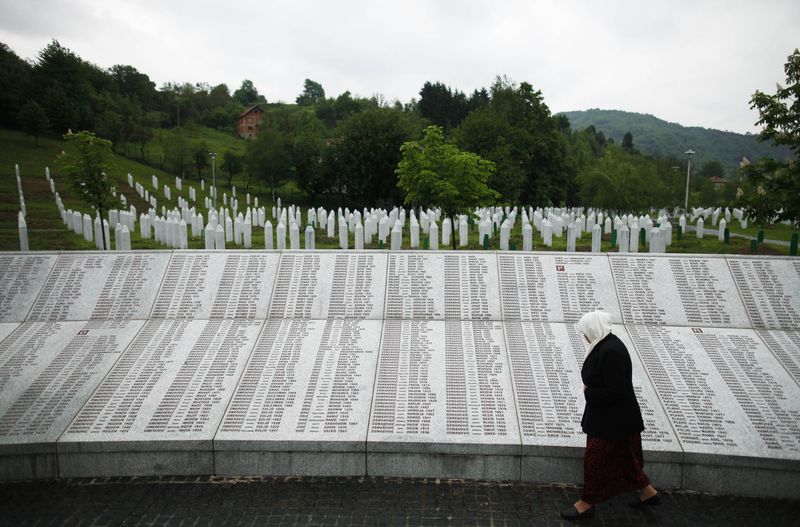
[[612, 421]]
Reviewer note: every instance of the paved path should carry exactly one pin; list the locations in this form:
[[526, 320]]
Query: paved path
[[352, 501]]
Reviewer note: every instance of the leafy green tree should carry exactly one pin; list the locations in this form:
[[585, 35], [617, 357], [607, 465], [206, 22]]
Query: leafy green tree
[[309, 148], [178, 154], [248, 94], [621, 182], [33, 120], [312, 93], [232, 164], [443, 106], [268, 158], [433, 173], [780, 116], [200, 158], [627, 142], [86, 163], [15, 76], [364, 154]]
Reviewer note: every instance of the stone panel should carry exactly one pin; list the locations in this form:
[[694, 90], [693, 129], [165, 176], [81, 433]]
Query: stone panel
[[555, 287], [100, 286], [162, 401], [725, 394], [47, 371], [21, 279], [785, 345], [306, 389], [770, 288], [677, 291], [230, 284], [436, 285], [327, 284]]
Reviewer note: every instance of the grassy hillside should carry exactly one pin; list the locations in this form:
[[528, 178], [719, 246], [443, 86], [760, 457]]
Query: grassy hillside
[[657, 137]]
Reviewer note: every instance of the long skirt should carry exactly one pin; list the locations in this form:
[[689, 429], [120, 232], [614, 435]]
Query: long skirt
[[611, 467]]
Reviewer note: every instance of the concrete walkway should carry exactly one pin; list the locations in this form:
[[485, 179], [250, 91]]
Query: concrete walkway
[[279, 502]]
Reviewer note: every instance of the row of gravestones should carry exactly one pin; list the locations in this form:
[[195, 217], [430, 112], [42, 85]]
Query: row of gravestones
[[412, 364]]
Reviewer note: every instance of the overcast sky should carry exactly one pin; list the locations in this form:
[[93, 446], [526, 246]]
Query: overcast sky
[[692, 62]]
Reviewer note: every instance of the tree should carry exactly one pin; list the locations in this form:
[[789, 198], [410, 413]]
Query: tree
[[248, 94], [308, 148], [15, 76], [433, 173], [780, 116], [627, 142], [364, 154], [33, 120], [200, 158], [443, 106], [268, 158], [312, 93], [86, 163], [232, 163]]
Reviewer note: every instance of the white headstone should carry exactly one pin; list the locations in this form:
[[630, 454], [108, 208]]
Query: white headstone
[[23, 232], [310, 239], [700, 228], [527, 237], [359, 237], [571, 236], [219, 237], [433, 234], [596, 238], [280, 234], [397, 236], [463, 232], [268, 235], [294, 236], [721, 230], [623, 237]]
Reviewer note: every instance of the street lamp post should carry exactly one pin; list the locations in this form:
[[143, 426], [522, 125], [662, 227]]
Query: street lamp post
[[689, 154], [214, 176]]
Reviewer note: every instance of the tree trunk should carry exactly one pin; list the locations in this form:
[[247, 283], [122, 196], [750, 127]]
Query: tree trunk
[[103, 229]]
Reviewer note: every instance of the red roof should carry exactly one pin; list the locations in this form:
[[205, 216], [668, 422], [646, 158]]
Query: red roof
[[250, 110]]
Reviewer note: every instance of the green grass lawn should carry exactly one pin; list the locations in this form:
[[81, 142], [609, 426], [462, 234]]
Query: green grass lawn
[[46, 230]]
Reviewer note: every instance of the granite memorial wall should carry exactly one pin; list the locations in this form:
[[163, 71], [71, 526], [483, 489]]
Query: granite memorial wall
[[429, 364]]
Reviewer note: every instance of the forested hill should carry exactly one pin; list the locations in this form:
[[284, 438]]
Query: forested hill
[[661, 138]]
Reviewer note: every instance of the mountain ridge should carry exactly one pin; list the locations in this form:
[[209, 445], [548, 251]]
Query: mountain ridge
[[658, 137]]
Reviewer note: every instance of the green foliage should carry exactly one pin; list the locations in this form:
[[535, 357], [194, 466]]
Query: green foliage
[[757, 205], [780, 116], [627, 142], [312, 93], [87, 162], [247, 94], [364, 155], [517, 132], [33, 120], [433, 173], [442, 106], [232, 164], [309, 147], [268, 158], [14, 85], [623, 182]]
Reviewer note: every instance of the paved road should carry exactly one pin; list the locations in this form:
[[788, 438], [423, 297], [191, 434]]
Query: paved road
[[352, 501]]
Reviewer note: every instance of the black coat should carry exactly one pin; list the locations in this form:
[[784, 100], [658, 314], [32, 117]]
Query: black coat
[[612, 410]]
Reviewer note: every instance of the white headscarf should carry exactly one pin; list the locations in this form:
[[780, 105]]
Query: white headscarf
[[596, 325]]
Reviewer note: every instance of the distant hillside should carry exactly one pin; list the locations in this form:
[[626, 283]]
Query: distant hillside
[[656, 137]]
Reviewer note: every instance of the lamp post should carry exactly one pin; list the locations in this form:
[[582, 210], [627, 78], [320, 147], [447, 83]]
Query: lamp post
[[689, 154], [214, 177]]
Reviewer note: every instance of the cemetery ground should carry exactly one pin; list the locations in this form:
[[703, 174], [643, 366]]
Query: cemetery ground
[[46, 230]]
